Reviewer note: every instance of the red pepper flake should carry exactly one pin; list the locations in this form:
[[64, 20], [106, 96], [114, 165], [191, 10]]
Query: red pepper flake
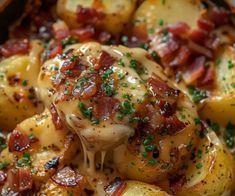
[[89, 15], [12, 47], [18, 141]]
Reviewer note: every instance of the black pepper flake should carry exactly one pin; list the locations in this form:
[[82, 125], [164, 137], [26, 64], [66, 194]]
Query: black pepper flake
[[52, 164]]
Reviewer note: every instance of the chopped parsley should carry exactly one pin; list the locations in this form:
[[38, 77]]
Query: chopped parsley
[[108, 87], [161, 22], [197, 95], [25, 161], [215, 127], [4, 165], [197, 121], [229, 135], [24, 82], [68, 41], [87, 112], [230, 64], [199, 165], [127, 107], [106, 74]]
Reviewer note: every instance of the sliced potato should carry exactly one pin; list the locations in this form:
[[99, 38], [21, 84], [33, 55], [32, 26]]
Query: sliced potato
[[211, 173], [142, 189], [154, 14], [220, 107], [18, 76], [117, 13], [49, 144]]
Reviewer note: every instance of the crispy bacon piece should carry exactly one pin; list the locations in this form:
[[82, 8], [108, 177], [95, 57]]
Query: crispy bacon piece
[[19, 179], [55, 48], [179, 28], [166, 109], [3, 177], [84, 34], [105, 107], [208, 78], [195, 70], [176, 182], [68, 177], [205, 25], [105, 61], [116, 187], [87, 86], [198, 35], [89, 15], [171, 126], [182, 56], [12, 47], [160, 88], [25, 179], [219, 15], [18, 141], [55, 117]]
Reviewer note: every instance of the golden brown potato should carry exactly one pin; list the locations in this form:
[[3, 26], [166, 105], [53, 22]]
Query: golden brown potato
[[142, 189], [211, 173], [155, 14], [17, 87], [219, 107], [116, 13], [47, 148]]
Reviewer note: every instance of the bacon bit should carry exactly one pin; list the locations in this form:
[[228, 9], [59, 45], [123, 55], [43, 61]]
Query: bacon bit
[[198, 35], [68, 177], [12, 47], [67, 65], [166, 109], [3, 177], [208, 77], [205, 25], [176, 182], [55, 117], [116, 187], [219, 15], [179, 28], [13, 80], [87, 88], [25, 179], [61, 34], [213, 43], [165, 45], [160, 88], [105, 61], [55, 48], [18, 141], [105, 107], [13, 179], [195, 70], [84, 34], [201, 50], [89, 15], [171, 126], [182, 56]]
